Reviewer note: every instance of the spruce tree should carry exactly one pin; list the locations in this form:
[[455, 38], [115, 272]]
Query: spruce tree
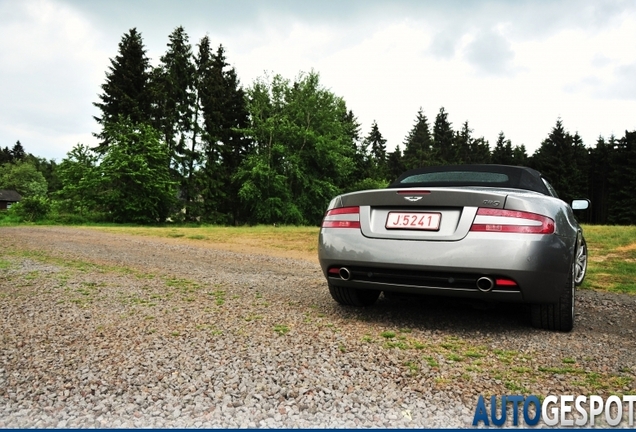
[[126, 92], [600, 160], [556, 160], [395, 164], [417, 144], [5, 155], [443, 139], [377, 145], [622, 178], [17, 152], [503, 153], [224, 118], [173, 84], [519, 155]]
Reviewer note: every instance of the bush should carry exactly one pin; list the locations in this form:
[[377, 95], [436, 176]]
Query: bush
[[32, 208]]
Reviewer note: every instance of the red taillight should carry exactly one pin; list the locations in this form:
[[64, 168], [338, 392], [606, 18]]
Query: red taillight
[[511, 221], [505, 282], [343, 217]]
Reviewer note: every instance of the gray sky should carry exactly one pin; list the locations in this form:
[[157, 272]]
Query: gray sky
[[511, 66]]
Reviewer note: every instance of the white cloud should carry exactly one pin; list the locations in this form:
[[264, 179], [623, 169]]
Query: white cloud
[[511, 66], [50, 63], [490, 52]]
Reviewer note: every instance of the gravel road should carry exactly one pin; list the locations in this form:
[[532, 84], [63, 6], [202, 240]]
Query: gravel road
[[112, 330]]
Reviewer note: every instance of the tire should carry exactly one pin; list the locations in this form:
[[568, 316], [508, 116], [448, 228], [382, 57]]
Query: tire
[[557, 316], [353, 296], [580, 261]]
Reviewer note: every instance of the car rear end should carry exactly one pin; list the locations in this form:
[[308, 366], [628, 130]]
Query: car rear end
[[500, 245]]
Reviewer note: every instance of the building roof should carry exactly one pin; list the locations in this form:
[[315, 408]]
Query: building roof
[[9, 195]]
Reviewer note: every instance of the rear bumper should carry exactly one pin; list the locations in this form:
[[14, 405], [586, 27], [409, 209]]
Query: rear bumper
[[539, 264]]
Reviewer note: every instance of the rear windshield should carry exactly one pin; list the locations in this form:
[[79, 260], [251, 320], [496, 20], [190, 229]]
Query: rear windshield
[[470, 177]]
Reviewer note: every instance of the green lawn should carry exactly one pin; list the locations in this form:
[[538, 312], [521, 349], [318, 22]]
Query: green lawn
[[612, 258]]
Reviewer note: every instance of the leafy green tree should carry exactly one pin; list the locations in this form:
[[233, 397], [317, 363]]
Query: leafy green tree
[[134, 182], [302, 150], [32, 208], [418, 144], [126, 92], [79, 178], [48, 168], [24, 178]]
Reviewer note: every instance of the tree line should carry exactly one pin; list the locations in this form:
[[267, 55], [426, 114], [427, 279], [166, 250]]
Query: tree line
[[185, 141]]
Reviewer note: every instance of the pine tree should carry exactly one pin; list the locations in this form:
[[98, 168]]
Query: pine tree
[[464, 145], [503, 153], [443, 137], [417, 144], [377, 144], [174, 93], [622, 177], [600, 158], [126, 92], [395, 164], [480, 151], [556, 160], [224, 118], [519, 155], [17, 152], [5, 155]]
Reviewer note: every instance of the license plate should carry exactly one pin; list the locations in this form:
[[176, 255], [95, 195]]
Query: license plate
[[413, 221]]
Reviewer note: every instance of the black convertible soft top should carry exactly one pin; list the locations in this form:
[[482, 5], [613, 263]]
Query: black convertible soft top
[[500, 176]]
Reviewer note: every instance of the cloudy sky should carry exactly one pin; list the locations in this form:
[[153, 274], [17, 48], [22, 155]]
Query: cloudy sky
[[511, 66]]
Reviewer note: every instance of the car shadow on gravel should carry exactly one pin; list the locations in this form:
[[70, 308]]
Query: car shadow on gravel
[[445, 314]]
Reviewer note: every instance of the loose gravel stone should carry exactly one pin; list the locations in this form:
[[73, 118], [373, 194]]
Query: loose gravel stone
[[108, 330]]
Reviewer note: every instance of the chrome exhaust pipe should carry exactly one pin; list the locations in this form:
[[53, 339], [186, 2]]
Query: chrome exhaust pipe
[[485, 284], [344, 273]]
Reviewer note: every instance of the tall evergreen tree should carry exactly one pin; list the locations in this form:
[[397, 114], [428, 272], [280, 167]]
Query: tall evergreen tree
[[17, 152], [126, 92], [224, 118], [173, 87], [503, 153], [395, 164], [417, 144], [600, 160], [443, 138], [5, 155], [556, 160], [622, 177], [520, 155], [377, 145]]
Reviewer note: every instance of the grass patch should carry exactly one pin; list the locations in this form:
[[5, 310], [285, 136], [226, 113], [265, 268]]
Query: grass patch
[[282, 238], [281, 329], [611, 258]]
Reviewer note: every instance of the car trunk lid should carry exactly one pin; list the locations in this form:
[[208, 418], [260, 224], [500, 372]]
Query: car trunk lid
[[443, 214]]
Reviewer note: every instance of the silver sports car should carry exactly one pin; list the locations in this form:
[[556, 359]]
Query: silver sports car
[[491, 232]]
